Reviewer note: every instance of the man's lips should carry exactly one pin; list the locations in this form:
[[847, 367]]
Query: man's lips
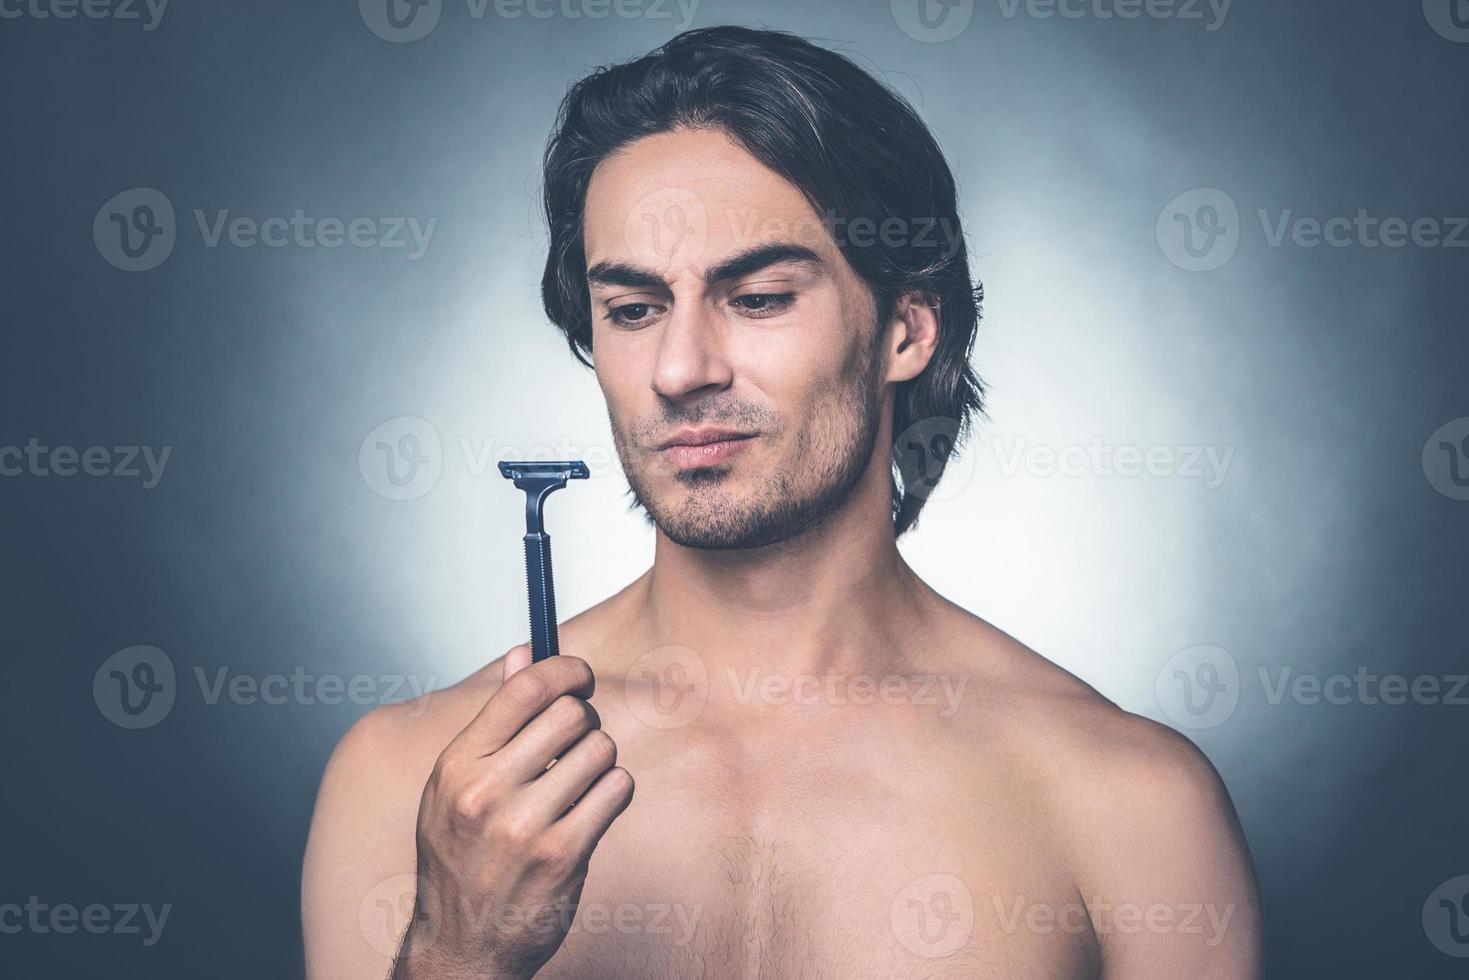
[[703, 435], [703, 447]]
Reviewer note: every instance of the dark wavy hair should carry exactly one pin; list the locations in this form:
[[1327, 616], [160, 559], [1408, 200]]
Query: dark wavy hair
[[859, 154]]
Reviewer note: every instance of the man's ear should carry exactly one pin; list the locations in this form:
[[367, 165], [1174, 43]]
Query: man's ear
[[913, 335]]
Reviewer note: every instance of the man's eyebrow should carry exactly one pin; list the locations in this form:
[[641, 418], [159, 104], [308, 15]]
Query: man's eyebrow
[[758, 257], [741, 264]]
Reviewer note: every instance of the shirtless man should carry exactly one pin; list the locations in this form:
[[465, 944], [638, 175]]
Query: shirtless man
[[839, 773]]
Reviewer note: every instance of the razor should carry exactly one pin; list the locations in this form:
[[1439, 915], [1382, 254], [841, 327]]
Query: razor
[[539, 480]]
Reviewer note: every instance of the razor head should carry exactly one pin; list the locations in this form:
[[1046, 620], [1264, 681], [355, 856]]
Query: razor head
[[538, 479], [527, 470]]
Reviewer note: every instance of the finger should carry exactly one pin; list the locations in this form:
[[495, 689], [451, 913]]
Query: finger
[[572, 775], [586, 822], [517, 659], [520, 699], [548, 736]]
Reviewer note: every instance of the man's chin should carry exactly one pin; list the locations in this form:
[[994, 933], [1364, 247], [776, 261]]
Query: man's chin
[[703, 511], [709, 537]]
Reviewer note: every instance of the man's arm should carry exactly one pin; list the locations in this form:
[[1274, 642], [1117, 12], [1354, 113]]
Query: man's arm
[[464, 809], [1168, 877], [357, 880]]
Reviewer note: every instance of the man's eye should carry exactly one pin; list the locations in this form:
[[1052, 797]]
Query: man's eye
[[764, 304], [629, 315]]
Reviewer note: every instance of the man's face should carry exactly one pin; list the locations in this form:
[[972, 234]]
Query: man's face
[[723, 310]]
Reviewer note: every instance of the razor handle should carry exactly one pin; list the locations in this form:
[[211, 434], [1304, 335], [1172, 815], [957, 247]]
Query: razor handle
[[539, 479], [542, 590]]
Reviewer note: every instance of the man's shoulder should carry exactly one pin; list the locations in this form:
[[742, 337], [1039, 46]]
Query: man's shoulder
[[404, 739], [370, 790], [1092, 757], [409, 735], [1141, 816]]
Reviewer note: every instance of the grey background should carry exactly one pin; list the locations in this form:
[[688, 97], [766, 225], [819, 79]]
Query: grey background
[[266, 548]]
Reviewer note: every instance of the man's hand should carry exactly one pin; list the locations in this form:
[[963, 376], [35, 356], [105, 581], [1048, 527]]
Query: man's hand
[[504, 837]]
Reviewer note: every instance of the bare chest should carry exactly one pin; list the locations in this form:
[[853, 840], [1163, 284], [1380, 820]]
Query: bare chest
[[840, 864]]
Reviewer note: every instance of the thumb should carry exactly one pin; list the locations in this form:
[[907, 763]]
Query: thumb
[[517, 659]]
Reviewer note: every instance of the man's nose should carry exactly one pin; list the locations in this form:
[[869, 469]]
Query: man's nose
[[692, 354]]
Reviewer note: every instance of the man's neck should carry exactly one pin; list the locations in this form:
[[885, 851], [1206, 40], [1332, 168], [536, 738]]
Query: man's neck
[[838, 598]]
